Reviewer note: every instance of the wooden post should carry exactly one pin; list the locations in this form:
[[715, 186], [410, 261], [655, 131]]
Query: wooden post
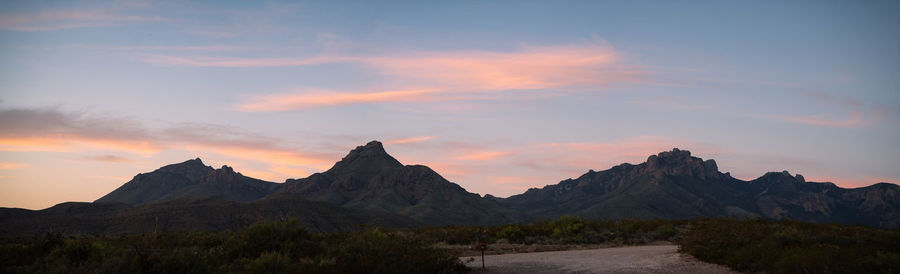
[[482, 246], [482, 259]]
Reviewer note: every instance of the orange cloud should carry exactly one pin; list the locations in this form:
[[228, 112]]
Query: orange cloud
[[8, 165], [418, 139], [485, 155], [52, 130], [532, 68], [270, 156], [439, 75], [289, 101], [109, 159], [63, 143], [33, 144]]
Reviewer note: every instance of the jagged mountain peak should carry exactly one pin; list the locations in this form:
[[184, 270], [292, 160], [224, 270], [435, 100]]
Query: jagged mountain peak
[[187, 179], [189, 166], [367, 158], [783, 176], [680, 163]]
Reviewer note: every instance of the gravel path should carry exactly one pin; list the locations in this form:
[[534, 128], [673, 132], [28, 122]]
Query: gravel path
[[634, 259]]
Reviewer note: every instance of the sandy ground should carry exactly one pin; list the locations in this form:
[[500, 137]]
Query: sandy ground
[[634, 259]]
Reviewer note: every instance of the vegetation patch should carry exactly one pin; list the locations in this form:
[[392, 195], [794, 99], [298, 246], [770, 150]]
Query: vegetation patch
[[793, 247], [278, 247]]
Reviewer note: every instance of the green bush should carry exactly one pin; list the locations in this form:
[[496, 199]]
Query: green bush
[[379, 252], [569, 229], [512, 233], [793, 247]]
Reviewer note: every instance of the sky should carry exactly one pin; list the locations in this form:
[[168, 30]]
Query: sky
[[496, 96]]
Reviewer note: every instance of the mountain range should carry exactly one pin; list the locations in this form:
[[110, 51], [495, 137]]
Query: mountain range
[[369, 188]]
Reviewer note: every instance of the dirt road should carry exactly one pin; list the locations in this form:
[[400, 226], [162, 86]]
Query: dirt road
[[634, 259]]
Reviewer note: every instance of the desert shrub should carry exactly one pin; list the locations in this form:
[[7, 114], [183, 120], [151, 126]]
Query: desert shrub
[[512, 233], [454, 234], [186, 261], [287, 237], [569, 229], [270, 262], [792, 247], [665, 232], [275, 247], [378, 252]]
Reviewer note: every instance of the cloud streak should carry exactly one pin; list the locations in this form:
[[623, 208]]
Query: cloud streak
[[284, 102], [9, 166], [418, 139], [222, 62], [60, 20], [54, 130], [109, 159], [484, 155], [439, 75]]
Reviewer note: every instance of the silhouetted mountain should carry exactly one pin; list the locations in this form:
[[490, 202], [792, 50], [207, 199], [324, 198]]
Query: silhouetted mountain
[[370, 179], [780, 195], [369, 187], [675, 185], [189, 179], [198, 213]]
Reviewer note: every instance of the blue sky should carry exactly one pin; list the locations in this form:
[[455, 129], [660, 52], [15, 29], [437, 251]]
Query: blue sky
[[496, 96]]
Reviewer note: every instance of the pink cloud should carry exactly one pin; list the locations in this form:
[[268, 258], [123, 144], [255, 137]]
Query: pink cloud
[[52, 130], [109, 159], [440, 75], [222, 62], [483, 155], [8, 165], [202, 48], [290, 101], [59, 20], [409, 140], [531, 68]]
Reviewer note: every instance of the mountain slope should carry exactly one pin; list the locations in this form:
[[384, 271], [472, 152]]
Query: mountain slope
[[368, 178], [675, 185], [369, 187], [196, 213], [189, 179]]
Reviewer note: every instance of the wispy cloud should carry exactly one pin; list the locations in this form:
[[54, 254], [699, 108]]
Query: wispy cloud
[[60, 20], [409, 140], [109, 159], [8, 165], [226, 62], [529, 68], [483, 155], [854, 120], [148, 48], [439, 75], [54, 130], [282, 102]]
